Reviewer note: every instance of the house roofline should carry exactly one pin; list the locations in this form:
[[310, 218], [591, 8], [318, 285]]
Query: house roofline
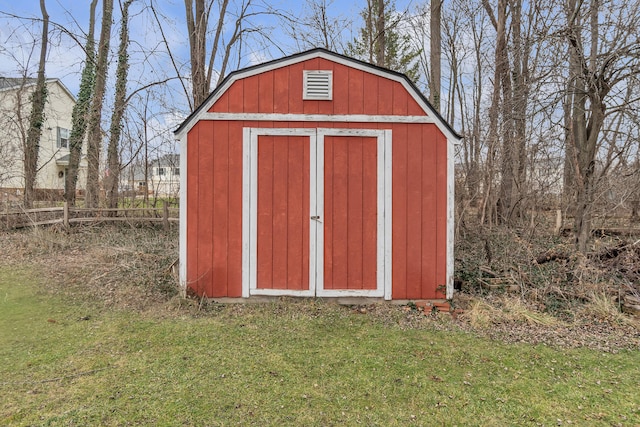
[[49, 80]]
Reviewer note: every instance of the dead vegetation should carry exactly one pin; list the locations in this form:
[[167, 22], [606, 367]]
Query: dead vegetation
[[534, 287], [570, 301], [122, 266]]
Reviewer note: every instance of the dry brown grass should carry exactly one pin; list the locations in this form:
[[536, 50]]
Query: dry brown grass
[[115, 265], [605, 307], [508, 309]]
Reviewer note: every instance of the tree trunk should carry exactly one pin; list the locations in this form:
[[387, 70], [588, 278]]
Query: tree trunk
[[520, 98], [505, 200], [380, 32], [197, 27], [36, 118], [94, 134], [499, 79], [435, 54], [587, 118], [80, 111], [113, 153]]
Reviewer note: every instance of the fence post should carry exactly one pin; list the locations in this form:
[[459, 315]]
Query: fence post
[[165, 216], [65, 214], [558, 228], [6, 209]]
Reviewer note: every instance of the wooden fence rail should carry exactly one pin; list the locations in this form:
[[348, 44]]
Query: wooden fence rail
[[67, 215]]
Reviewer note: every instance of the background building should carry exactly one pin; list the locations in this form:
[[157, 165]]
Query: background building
[[53, 157]]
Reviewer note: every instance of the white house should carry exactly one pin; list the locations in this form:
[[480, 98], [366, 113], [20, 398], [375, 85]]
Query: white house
[[165, 176], [53, 157], [162, 177]]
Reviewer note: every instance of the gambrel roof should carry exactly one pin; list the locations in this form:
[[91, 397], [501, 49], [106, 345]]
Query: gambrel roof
[[429, 112]]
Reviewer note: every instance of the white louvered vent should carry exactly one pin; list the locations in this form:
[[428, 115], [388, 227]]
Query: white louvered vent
[[318, 84]]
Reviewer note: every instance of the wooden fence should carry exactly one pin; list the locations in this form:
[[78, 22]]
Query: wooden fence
[[66, 216]]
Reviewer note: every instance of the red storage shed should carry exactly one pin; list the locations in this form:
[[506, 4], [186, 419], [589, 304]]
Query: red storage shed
[[317, 175]]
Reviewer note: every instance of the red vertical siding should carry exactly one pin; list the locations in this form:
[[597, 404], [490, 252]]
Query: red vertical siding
[[340, 90], [295, 88], [264, 276], [429, 204], [204, 204], [414, 212], [220, 207], [336, 167], [327, 219], [350, 206], [250, 94], [354, 213], [221, 105], [265, 92], [283, 213], [413, 109], [399, 196], [385, 97], [370, 92], [356, 94], [297, 201], [440, 144], [236, 96], [281, 90], [234, 262], [193, 178], [400, 96], [370, 214]]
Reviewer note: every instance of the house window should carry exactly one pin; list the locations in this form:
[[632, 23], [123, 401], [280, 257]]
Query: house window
[[161, 171], [176, 171], [317, 84], [63, 138]]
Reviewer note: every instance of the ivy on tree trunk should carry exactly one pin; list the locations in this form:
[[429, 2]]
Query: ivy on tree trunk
[[80, 111], [37, 117]]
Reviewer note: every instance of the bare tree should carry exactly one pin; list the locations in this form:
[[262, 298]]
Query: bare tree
[[464, 46], [81, 109], [317, 28], [94, 132], [198, 13], [207, 62], [36, 118], [435, 53], [113, 152], [609, 57]]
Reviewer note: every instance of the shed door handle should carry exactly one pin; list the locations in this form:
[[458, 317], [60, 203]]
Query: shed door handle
[[316, 218]]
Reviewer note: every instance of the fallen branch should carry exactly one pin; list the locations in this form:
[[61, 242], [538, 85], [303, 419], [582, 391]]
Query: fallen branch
[[610, 253], [551, 255]]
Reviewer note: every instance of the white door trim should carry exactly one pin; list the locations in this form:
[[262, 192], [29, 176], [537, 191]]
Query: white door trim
[[383, 262], [316, 209], [250, 211]]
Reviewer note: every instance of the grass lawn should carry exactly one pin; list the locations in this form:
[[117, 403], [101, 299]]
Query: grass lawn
[[66, 362]]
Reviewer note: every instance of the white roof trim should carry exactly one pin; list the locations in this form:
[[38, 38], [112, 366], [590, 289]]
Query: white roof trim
[[345, 118]]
